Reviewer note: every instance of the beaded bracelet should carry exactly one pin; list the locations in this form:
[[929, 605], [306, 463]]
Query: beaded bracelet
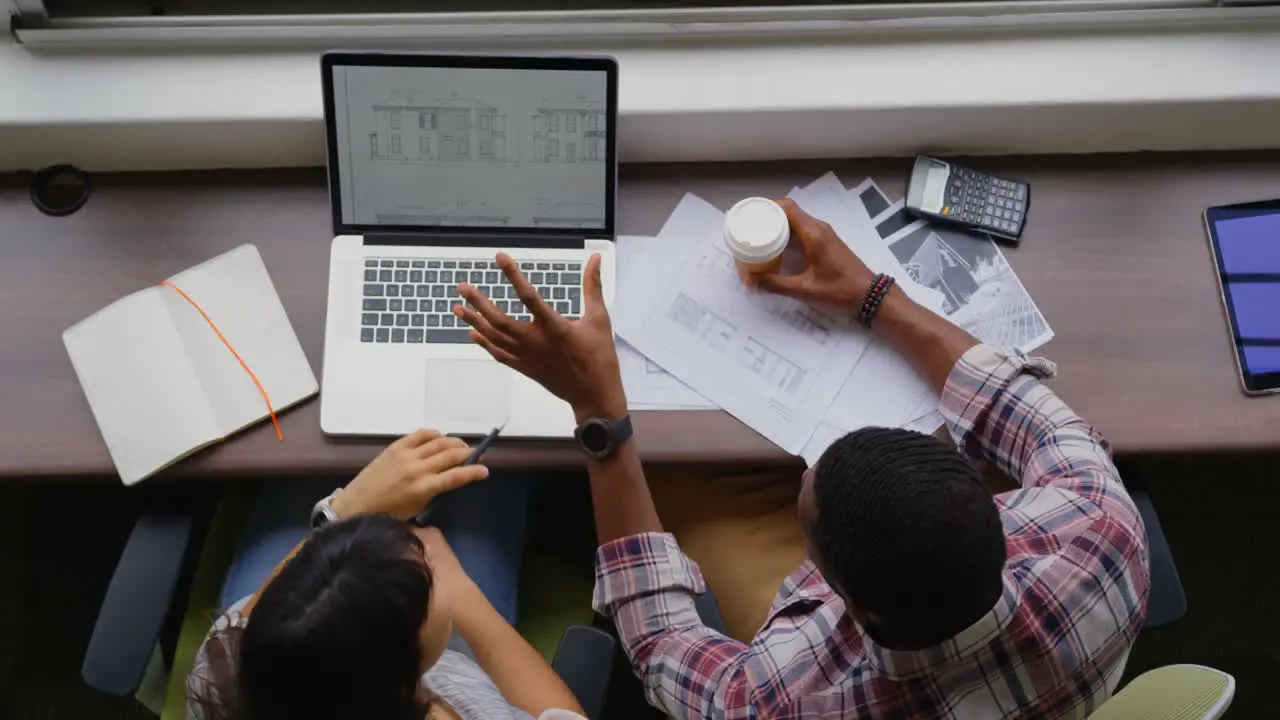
[[873, 299]]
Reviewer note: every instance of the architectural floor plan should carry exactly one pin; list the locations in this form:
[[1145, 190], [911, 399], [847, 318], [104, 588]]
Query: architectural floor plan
[[767, 359]]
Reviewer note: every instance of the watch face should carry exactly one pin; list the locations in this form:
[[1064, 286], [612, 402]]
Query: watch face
[[595, 436]]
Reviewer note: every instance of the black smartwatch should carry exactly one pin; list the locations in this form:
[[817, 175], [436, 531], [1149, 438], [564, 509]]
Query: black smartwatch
[[599, 438]]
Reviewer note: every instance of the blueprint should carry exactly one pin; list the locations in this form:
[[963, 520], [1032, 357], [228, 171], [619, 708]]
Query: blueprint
[[648, 386], [769, 360]]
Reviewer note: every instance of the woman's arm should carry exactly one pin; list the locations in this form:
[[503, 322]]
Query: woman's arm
[[399, 482], [520, 673], [523, 676]]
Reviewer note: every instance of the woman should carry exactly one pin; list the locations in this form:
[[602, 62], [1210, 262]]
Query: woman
[[369, 617]]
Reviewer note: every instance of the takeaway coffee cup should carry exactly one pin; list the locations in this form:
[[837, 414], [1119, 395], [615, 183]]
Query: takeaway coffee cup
[[756, 232]]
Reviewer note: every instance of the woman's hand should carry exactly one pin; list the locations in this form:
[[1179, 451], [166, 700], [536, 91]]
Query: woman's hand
[[407, 475], [445, 568], [575, 359]]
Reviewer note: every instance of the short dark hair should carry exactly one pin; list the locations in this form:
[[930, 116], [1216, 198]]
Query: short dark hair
[[335, 633], [906, 529]]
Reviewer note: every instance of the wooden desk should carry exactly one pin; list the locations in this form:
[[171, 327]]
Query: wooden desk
[[1114, 255]]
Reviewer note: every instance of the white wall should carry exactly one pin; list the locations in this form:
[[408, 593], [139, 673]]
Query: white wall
[[993, 94]]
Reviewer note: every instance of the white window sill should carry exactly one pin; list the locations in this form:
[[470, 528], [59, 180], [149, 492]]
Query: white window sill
[[701, 100]]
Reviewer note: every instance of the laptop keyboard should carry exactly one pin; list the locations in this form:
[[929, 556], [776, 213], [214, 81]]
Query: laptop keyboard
[[412, 301]]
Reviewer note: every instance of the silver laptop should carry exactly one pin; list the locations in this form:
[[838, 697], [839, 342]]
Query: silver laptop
[[436, 164]]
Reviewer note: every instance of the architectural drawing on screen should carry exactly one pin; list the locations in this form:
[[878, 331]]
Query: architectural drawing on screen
[[569, 131], [554, 213], [463, 212], [412, 127]]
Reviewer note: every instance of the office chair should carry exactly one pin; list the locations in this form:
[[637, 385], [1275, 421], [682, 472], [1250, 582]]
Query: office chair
[[1167, 602], [1173, 692]]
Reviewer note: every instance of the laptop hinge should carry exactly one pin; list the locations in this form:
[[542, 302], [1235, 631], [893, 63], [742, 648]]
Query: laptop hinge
[[497, 239]]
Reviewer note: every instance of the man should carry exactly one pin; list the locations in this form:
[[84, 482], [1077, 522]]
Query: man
[[924, 596]]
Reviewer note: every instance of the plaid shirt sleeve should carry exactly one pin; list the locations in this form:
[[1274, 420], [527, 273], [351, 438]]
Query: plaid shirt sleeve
[[1072, 522], [688, 670], [998, 410]]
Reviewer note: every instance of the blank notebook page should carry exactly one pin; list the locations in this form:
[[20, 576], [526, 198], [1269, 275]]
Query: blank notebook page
[[235, 291], [145, 394]]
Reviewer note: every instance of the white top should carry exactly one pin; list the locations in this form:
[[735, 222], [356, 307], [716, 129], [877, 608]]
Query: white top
[[756, 230]]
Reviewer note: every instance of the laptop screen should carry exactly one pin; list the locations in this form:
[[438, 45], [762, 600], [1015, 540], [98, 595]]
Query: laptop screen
[[492, 147]]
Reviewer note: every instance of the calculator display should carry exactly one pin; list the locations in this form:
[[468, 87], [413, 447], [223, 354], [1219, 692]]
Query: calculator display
[[935, 186]]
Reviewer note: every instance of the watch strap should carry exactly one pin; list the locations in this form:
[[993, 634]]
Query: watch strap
[[622, 431]]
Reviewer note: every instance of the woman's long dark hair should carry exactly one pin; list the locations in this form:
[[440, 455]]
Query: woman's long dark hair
[[335, 634]]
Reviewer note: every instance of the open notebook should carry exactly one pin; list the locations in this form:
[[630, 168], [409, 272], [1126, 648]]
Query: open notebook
[[161, 383]]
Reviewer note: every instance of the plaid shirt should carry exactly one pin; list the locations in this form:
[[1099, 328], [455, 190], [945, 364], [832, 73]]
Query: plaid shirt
[[1055, 644]]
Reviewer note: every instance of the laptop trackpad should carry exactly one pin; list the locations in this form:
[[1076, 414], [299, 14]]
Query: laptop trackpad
[[467, 397]]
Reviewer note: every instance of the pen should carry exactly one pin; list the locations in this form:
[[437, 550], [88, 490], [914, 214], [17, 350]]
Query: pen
[[482, 446], [477, 452]]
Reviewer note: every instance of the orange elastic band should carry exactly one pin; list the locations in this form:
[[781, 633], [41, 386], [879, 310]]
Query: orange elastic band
[[216, 331]]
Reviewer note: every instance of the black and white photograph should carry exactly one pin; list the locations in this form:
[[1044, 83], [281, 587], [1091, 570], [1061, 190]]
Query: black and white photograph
[[981, 292]]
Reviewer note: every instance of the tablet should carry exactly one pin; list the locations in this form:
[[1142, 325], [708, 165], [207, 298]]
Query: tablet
[[1246, 254]]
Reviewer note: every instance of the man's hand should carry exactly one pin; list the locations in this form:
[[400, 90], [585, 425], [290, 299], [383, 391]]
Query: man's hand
[[575, 359], [832, 273], [407, 475]]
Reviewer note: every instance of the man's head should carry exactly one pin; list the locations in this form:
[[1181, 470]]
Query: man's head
[[906, 531]]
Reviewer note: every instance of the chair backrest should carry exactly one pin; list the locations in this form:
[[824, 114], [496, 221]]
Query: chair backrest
[[1173, 692]]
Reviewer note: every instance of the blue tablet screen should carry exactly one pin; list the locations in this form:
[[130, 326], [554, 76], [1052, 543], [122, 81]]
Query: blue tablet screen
[[1249, 258]]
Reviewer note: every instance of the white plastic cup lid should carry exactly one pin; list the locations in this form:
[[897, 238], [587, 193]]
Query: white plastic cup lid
[[756, 230]]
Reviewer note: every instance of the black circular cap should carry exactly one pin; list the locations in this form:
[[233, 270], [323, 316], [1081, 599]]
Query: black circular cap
[[59, 190]]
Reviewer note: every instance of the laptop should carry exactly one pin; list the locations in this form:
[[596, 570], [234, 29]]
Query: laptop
[[437, 163]]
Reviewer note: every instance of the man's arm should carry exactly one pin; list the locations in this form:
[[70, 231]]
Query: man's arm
[[993, 400], [647, 585], [643, 580], [1073, 505], [577, 361], [929, 342], [620, 495], [999, 410]]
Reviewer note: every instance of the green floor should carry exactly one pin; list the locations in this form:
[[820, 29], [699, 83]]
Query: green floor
[[59, 544]]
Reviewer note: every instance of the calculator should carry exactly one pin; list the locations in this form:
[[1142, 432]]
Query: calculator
[[948, 193]]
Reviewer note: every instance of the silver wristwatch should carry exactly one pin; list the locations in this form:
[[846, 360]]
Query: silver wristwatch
[[322, 513]]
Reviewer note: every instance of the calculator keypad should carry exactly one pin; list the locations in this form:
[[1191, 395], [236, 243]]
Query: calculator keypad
[[986, 202]]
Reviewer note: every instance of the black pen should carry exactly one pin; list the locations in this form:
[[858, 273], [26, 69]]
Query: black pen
[[482, 446], [477, 452]]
